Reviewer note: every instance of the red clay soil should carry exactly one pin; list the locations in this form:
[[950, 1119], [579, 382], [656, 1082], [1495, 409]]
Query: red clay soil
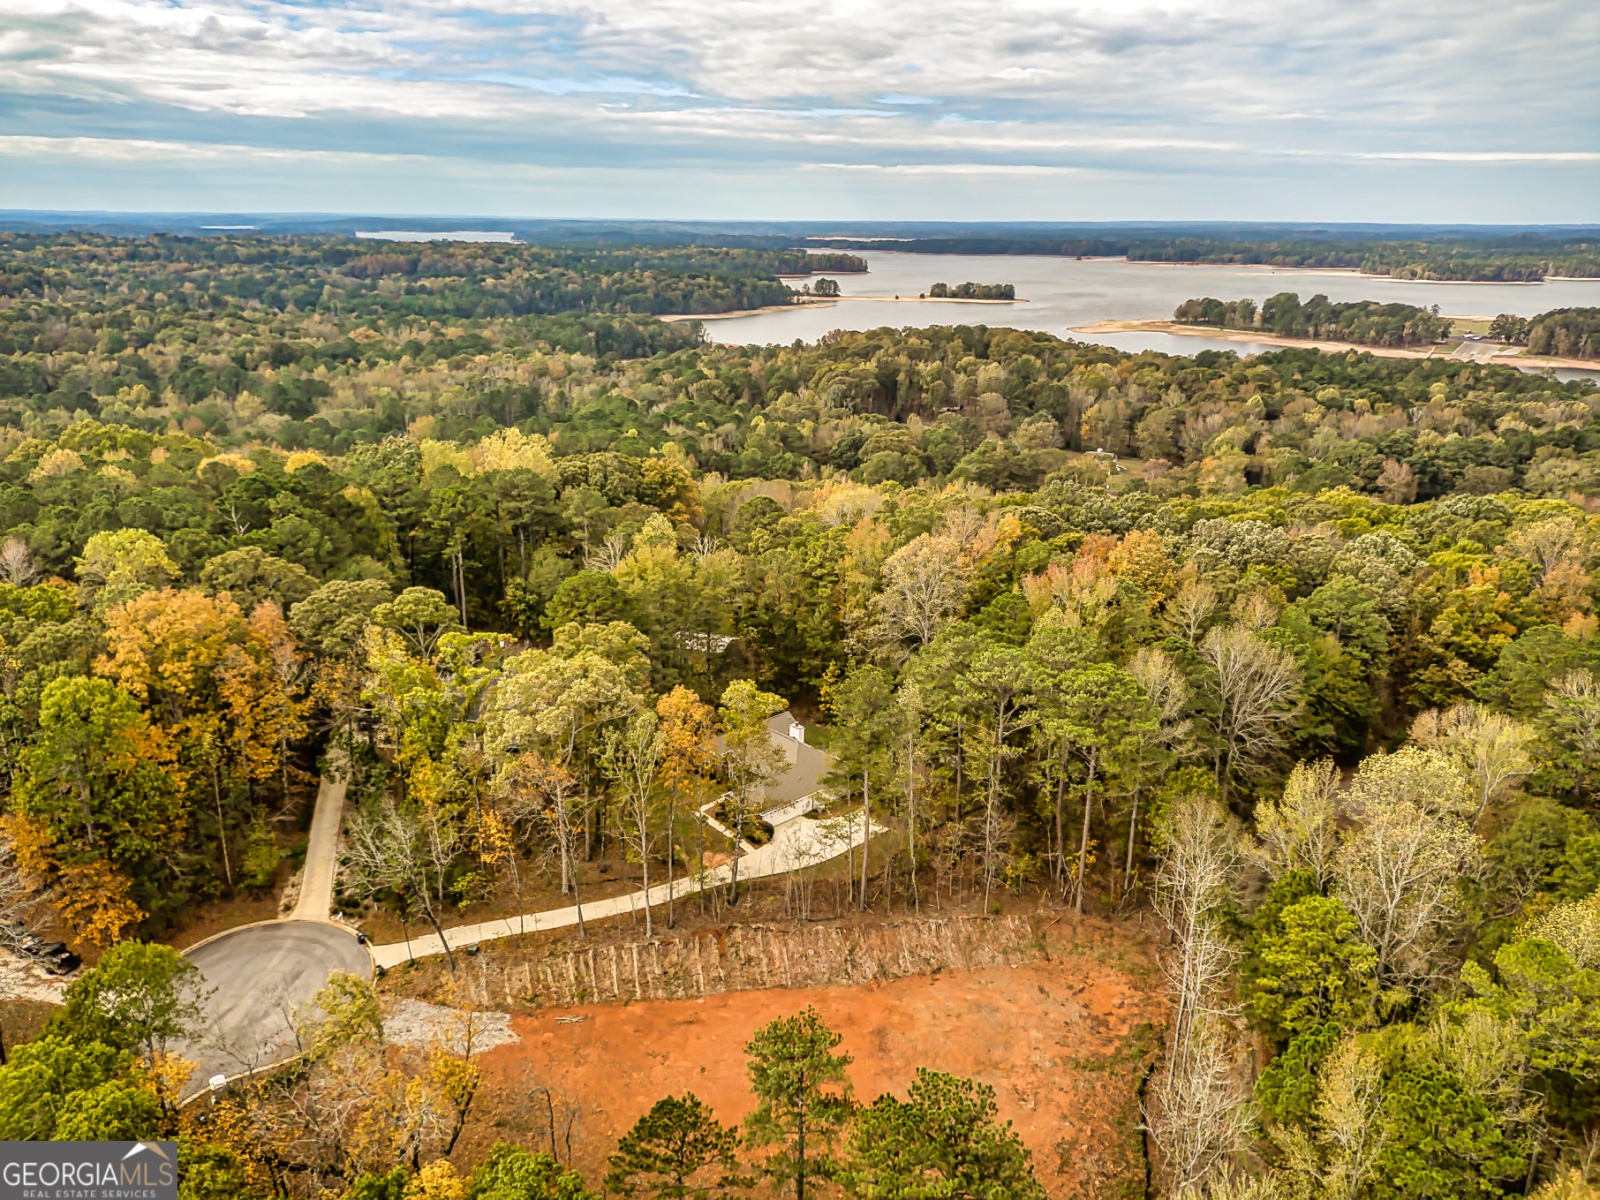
[[1062, 1042]]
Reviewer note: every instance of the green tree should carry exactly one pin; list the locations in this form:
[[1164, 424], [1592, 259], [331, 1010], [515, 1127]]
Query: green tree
[[329, 621], [389, 1186], [42, 1075], [1098, 721], [802, 1091], [512, 1173], [140, 997], [114, 1111], [942, 1142], [1311, 968], [420, 615], [863, 710], [96, 776], [208, 1171], [251, 575], [676, 1150], [120, 564], [1286, 1090], [1440, 1141], [587, 597]]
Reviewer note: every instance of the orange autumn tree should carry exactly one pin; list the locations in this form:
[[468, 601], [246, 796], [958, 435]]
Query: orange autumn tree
[[221, 688], [262, 688]]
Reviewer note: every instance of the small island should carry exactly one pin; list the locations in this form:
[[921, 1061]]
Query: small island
[[1362, 322], [973, 291]]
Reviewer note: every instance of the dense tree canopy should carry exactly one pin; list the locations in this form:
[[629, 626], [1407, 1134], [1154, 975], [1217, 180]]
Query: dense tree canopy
[[1298, 653]]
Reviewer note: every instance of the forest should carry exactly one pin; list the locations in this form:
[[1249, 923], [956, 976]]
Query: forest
[[1523, 258], [1293, 657], [1364, 322], [1567, 332]]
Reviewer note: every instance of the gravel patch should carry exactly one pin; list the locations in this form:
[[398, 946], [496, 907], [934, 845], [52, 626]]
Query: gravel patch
[[420, 1025], [22, 979]]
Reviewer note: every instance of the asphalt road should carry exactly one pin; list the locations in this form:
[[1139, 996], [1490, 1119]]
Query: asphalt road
[[322, 853], [262, 974]]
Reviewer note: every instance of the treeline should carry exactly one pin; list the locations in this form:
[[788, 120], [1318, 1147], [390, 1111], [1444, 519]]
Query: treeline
[[1519, 259], [357, 1118], [370, 280], [1511, 260], [1562, 332], [1365, 322], [973, 291]]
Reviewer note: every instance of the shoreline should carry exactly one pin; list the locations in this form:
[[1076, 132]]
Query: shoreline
[[1506, 357], [830, 302]]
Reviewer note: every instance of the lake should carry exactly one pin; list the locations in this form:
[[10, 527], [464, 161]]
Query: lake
[[1063, 294]]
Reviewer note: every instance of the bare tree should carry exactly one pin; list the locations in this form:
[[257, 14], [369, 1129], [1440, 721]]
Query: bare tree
[[1196, 1112], [964, 526], [546, 794], [924, 584], [1349, 1095], [632, 760], [1201, 1119], [908, 703], [1168, 692], [999, 688], [1491, 747], [1256, 687], [1398, 867], [16, 562], [1553, 546], [610, 555], [1191, 608], [404, 849], [1299, 831]]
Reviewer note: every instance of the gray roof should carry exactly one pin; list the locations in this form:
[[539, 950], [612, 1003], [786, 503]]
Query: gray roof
[[807, 764]]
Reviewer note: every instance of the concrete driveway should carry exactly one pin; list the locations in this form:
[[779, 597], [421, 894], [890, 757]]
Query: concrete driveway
[[262, 974], [796, 845]]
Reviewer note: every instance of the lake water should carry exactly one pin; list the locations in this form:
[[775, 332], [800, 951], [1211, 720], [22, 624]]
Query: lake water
[[1065, 294], [423, 235]]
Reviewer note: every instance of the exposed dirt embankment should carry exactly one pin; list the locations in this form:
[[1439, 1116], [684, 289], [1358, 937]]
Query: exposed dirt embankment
[[1063, 1040]]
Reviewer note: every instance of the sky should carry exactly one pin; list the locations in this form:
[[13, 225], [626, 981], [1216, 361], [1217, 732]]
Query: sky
[[1473, 111]]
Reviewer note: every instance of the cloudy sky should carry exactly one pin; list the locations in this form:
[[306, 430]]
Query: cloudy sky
[[1394, 110]]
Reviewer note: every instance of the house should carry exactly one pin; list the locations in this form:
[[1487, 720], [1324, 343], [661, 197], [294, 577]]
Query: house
[[798, 791], [807, 764]]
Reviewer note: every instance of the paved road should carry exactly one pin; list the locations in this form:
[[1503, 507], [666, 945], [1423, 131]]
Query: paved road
[[322, 853], [795, 845], [261, 974]]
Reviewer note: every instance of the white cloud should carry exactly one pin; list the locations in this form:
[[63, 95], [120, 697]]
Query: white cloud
[[912, 86]]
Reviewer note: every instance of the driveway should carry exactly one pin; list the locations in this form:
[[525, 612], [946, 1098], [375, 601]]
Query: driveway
[[262, 974], [322, 853], [796, 845]]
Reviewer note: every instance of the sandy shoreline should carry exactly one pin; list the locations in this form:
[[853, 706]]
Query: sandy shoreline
[[1507, 356], [678, 318]]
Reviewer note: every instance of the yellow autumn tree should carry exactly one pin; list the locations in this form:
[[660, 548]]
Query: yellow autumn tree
[[218, 685]]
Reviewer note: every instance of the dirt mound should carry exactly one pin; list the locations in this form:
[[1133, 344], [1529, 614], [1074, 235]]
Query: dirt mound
[[1063, 1042]]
